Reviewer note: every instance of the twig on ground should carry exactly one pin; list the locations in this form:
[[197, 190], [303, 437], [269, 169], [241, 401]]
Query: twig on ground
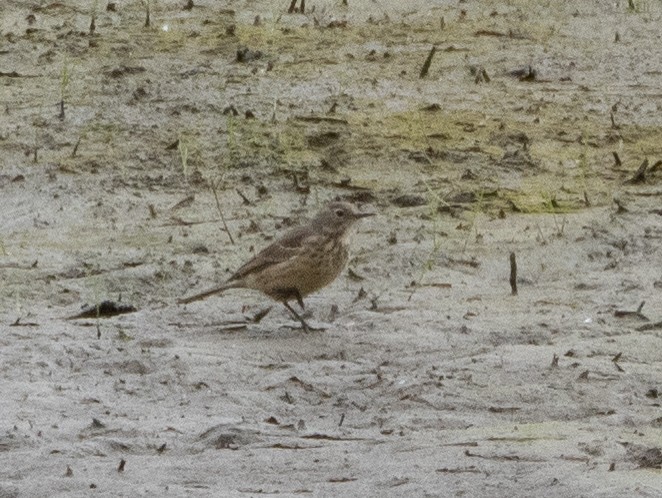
[[640, 175], [634, 314], [513, 274], [428, 61], [213, 187]]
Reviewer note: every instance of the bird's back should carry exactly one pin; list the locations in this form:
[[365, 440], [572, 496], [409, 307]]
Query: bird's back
[[300, 263]]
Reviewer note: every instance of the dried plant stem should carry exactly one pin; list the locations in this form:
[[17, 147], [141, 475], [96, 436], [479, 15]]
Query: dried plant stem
[[213, 187]]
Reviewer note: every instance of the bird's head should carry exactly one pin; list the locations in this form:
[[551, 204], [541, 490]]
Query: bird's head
[[338, 217]]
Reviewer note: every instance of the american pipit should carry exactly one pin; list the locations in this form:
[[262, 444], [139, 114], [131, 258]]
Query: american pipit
[[303, 261]]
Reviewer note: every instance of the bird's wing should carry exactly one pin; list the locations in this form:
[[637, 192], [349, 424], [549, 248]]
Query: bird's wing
[[281, 250]]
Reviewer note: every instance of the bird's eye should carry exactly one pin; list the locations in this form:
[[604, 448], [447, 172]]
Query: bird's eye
[[340, 213]]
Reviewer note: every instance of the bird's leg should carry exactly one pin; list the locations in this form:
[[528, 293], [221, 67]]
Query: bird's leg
[[284, 294], [305, 326], [297, 294]]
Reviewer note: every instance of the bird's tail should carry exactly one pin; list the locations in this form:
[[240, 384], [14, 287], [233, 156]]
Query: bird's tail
[[207, 293]]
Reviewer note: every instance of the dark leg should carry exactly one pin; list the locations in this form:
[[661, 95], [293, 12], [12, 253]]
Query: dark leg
[[299, 298], [284, 294], [297, 316]]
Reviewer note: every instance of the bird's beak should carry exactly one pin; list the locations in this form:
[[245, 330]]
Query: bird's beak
[[363, 215]]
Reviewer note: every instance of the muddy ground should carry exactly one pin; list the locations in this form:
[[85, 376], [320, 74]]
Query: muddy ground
[[141, 164]]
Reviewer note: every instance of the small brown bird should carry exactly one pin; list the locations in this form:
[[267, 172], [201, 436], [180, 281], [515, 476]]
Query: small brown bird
[[303, 261]]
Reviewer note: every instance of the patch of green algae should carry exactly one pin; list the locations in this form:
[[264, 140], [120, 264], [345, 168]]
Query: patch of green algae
[[571, 164]]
